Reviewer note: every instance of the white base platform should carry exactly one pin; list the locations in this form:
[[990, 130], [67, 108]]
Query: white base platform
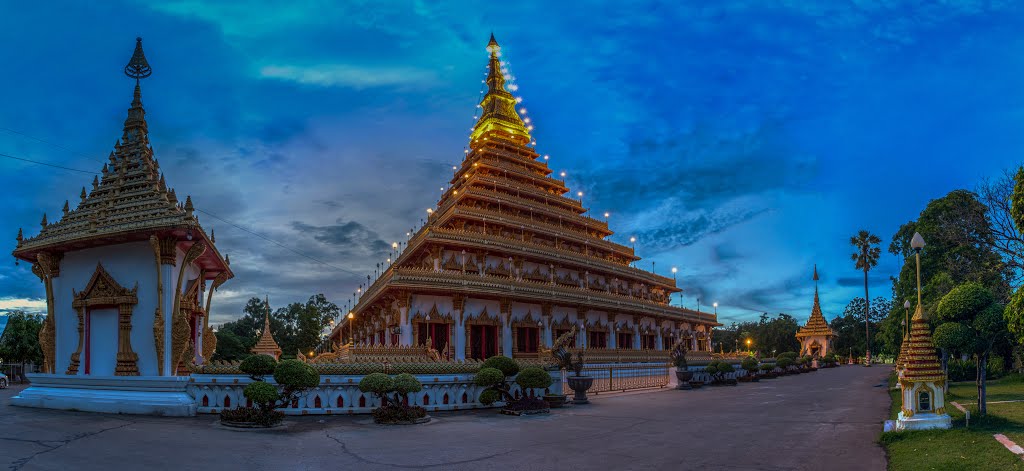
[[145, 395], [923, 421]]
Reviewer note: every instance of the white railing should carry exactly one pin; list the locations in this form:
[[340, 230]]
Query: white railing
[[340, 394]]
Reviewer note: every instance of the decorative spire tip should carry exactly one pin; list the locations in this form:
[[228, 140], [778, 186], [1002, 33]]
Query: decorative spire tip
[[138, 67]]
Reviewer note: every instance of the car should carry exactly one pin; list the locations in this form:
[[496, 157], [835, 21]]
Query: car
[[3, 381]]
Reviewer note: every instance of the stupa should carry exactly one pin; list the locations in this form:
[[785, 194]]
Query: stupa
[[922, 379], [125, 274], [816, 336], [506, 262], [266, 345]]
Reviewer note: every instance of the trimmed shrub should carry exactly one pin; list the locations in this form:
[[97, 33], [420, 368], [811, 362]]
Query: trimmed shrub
[[791, 355], [505, 365], [406, 383], [377, 383], [258, 366], [261, 393], [533, 377], [489, 396], [294, 374], [750, 364], [489, 377], [725, 367], [783, 362]]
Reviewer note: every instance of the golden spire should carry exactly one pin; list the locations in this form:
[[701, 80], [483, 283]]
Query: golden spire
[[498, 116], [135, 129], [920, 362], [266, 344], [816, 324]]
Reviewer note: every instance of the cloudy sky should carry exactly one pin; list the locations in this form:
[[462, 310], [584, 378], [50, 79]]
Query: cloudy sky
[[742, 142]]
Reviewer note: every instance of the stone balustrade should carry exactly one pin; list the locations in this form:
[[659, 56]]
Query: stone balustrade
[[340, 394]]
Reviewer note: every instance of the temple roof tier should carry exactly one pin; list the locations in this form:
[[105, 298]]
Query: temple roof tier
[[553, 230], [131, 202], [424, 280], [266, 345], [921, 363]]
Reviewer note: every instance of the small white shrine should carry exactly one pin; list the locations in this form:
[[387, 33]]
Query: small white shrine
[[125, 273]]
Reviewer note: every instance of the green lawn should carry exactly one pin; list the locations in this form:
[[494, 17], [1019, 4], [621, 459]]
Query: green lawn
[[963, 448]]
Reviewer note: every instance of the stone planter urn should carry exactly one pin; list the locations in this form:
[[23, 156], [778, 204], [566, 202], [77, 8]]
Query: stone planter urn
[[579, 386], [554, 400], [684, 377]]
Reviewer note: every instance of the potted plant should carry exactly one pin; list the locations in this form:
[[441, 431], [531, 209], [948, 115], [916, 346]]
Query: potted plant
[[393, 409], [750, 364], [578, 383], [293, 376], [683, 373], [564, 360]]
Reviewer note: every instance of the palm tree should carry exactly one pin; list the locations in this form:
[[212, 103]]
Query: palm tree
[[866, 258]]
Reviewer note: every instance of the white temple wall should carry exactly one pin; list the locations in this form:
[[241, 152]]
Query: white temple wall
[[128, 264]]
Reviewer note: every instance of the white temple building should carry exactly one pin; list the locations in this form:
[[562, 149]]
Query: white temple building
[[125, 273]]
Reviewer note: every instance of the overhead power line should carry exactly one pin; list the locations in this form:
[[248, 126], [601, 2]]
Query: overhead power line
[[225, 221]]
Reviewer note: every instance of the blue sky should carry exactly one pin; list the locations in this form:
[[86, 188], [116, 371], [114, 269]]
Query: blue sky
[[742, 142]]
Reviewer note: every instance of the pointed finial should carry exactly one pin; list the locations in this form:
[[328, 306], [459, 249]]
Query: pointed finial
[[66, 208], [227, 260], [213, 237], [95, 182], [492, 46], [188, 205], [83, 195], [105, 170], [815, 272], [44, 223], [21, 236], [163, 184], [138, 67], [173, 196]]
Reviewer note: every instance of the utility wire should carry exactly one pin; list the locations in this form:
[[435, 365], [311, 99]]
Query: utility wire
[[80, 154], [225, 221], [48, 165]]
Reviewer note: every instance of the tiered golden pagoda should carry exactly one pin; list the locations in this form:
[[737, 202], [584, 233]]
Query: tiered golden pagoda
[[922, 380], [266, 345], [506, 262], [816, 336]]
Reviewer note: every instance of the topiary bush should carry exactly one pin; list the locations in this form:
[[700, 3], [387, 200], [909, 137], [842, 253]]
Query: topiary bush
[[258, 366], [506, 365], [406, 383], [750, 364], [783, 362], [533, 377], [379, 384], [262, 394], [294, 377], [393, 409], [494, 376]]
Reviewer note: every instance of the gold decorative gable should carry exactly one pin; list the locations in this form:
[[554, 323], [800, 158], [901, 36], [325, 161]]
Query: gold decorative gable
[[104, 290]]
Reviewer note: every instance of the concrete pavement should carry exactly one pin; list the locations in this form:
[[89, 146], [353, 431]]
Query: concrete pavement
[[828, 419]]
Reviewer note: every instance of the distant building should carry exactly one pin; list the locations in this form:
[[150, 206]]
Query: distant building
[[816, 336]]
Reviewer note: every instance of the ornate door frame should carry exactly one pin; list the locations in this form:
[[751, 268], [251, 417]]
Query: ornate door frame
[[103, 291]]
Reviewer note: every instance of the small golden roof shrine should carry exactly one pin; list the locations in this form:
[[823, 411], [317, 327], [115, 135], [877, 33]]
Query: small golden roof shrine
[[266, 345], [816, 335], [922, 381]]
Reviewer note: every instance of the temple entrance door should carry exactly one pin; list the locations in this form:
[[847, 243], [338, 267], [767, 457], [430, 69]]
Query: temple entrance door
[[484, 343], [100, 341]]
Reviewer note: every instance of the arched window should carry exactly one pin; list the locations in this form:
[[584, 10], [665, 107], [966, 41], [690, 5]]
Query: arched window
[[924, 401]]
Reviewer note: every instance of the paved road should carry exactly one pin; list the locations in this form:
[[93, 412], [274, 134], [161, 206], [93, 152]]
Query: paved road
[[824, 420]]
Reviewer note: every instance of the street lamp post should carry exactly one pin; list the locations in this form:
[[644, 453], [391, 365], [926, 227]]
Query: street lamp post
[[906, 321], [715, 304]]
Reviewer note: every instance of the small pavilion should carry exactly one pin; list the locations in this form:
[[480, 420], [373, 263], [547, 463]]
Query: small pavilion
[[266, 345], [816, 336]]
